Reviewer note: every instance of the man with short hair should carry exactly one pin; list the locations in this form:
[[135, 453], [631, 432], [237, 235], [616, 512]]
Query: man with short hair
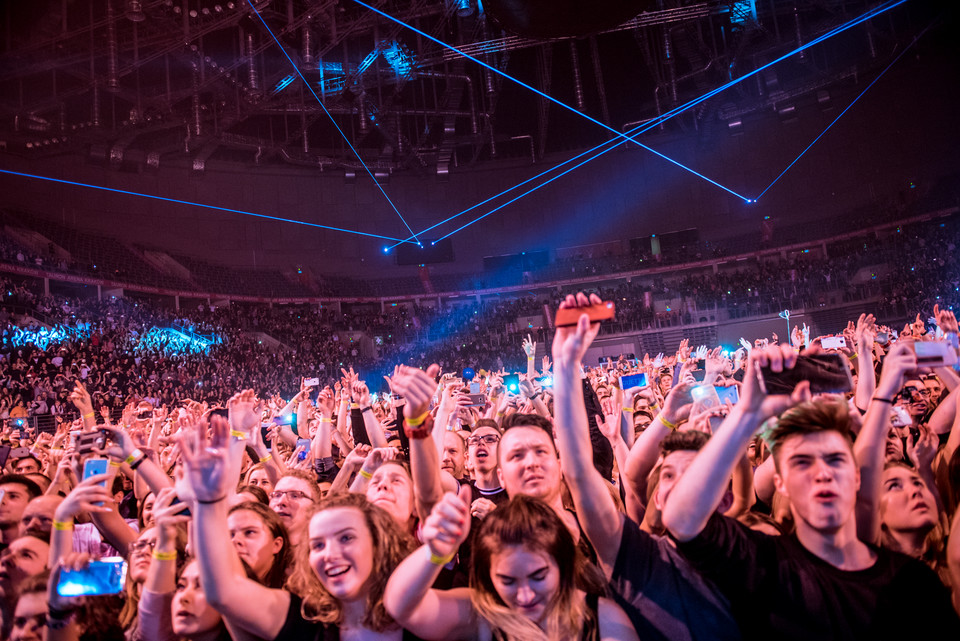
[[17, 491], [37, 519], [821, 582], [293, 494], [28, 464]]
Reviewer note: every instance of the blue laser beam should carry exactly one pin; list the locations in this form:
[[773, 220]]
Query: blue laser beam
[[673, 112], [859, 96], [330, 116], [187, 202], [559, 103]]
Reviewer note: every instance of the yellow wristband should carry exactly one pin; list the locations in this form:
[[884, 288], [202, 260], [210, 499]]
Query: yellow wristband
[[415, 422], [134, 455], [114, 464], [667, 423], [90, 415], [628, 409], [440, 560], [264, 459], [63, 526], [237, 434], [165, 556], [365, 474], [326, 420]]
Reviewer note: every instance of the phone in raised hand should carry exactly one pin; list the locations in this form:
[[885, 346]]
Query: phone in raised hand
[[106, 576]]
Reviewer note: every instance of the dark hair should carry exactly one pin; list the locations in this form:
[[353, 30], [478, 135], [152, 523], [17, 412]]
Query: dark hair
[[687, 441], [811, 417], [260, 493], [527, 420], [28, 484], [277, 574]]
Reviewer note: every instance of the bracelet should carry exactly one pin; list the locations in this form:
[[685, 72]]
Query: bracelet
[[237, 434], [416, 422], [364, 409], [165, 556], [211, 502], [441, 560], [90, 415], [531, 358], [882, 400], [667, 423], [628, 409], [264, 459], [855, 354], [136, 464], [354, 406], [365, 474], [113, 463], [134, 455], [62, 526], [326, 420], [420, 428]]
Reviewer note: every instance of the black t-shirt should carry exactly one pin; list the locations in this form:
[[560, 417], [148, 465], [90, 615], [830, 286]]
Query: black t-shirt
[[780, 590], [663, 595], [295, 627]]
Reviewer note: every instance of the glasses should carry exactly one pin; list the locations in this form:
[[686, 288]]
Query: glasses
[[142, 547], [488, 439], [294, 495]]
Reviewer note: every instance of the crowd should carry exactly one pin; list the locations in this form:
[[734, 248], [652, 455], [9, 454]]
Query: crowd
[[566, 503]]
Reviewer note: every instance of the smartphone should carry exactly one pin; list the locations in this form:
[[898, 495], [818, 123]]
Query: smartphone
[[512, 383], [633, 380], [87, 442], [312, 382], [833, 342], [900, 417], [828, 374], [477, 400], [731, 393], [4, 455], [305, 444], [882, 338], [934, 354], [185, 511], [546, 381], [74, 435], [19, 452], [264, 433], [474, 388], [106, 576], [95, 467], [699, 374], [568, 317]]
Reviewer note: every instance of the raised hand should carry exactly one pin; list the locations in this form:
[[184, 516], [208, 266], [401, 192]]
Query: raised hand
[[946, 320], [361, 393], [448, 524], [244, 411], [924, 450], [752, 397], [529, 347], [89, 496], [571, 343], [417, 387], [205, 462]]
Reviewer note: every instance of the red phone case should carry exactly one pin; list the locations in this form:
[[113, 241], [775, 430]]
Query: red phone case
[[567, 317]]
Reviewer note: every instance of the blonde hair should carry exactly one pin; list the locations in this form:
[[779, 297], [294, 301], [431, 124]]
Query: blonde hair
[[390, 546]]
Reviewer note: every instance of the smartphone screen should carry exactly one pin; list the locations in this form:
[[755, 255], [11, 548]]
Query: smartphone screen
[[731, 393], [305, 444], [833, 342], [512, 383], [827, 373], [105, 576], [633, 380]]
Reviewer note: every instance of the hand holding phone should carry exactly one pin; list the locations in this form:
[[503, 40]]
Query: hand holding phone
[[570, 316], [106, 576]]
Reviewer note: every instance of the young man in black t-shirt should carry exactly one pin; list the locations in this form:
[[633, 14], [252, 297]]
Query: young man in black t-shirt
[[821, 582]]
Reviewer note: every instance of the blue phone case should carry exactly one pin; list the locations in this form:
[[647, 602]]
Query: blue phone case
[[105, 576]]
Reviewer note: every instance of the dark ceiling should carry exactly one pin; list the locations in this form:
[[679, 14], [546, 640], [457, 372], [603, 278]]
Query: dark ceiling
[[201, 83]]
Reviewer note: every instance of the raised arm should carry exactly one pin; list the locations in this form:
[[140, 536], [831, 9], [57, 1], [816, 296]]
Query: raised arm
[[596, 510], [866, 383], [869, 448], [409, 597], [206, 475], [699, 491]]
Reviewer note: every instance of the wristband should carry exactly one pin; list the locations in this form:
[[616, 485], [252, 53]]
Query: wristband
[[90, 415], [113, 464], [629, 409], [136, 464], [238, 434], [165, 556], [366, 408], [419, 428], [531, 358], [63, 526], [667, 423], [326, 420], [441, 560], [882, 400], [855, 354], [416, 422], [365, 474], [264, 459], [354, 406], [211, 502], [134, 455]]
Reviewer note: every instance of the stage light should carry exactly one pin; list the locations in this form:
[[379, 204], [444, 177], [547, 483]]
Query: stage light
[[330, 116]]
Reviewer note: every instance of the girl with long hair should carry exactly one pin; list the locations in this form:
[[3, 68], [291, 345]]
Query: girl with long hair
[[528, 580]]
